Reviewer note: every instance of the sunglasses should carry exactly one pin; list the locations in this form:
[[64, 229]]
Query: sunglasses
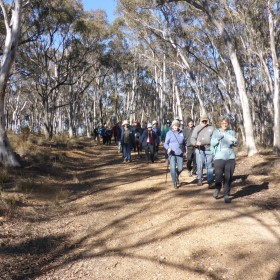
[[204, 121]]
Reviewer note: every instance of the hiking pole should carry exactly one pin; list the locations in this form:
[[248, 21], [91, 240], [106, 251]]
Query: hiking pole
[[169, 156]]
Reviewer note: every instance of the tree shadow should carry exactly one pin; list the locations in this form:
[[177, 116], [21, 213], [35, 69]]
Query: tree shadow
[[249, 190], [241, 178], [277, 276]]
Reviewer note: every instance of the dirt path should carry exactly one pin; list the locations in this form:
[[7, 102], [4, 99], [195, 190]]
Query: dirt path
[[111, 220]]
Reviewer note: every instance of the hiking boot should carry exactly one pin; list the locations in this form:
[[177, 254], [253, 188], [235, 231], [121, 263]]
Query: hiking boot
[[211, 185], [199, 183], [227, 199], [216, 193]]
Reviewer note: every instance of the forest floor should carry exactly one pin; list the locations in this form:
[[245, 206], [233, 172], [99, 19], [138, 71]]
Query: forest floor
[[75, 211]]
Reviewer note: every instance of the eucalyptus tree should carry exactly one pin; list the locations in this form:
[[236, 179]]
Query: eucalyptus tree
[[48, 58], [11, 16], [175, 45], [91, 36], [147, 50], [216, 15]]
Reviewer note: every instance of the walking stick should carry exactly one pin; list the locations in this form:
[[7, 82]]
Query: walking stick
[[167, 168]]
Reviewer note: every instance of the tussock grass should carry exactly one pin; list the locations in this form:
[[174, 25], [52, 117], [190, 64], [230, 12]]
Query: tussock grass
[[4, 176]]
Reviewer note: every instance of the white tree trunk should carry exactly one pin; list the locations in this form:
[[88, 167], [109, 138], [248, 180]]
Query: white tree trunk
[[276, 139], [248, 124], [7, 156]]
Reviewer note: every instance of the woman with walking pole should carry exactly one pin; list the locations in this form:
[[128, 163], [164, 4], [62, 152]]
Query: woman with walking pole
[[175, 146]]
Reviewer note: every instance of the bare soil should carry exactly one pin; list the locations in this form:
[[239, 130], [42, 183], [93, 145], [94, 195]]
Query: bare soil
[[78, 212]]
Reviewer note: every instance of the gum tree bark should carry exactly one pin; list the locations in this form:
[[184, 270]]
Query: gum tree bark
[[276, 138], [13, 26]]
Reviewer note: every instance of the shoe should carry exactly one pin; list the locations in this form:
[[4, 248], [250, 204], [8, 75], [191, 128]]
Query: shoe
[[227, 199], [211, 185], [176, 186], [216, 193], [199, 183], [177, 183]]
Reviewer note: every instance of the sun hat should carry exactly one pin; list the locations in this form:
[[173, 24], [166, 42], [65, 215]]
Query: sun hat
[[155, 122], [125, 122], [203, 117]]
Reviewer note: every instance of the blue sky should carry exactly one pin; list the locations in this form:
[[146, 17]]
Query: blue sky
[[108, 5]]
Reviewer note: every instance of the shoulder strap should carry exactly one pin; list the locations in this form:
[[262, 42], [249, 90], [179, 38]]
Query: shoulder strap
[[201, 130], [175, 137]]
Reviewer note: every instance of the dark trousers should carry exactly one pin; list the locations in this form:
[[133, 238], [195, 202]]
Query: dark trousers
[[191, 162], [224, 173], [149, 152]]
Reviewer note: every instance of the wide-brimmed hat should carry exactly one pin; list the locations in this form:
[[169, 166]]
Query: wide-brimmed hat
[[155, 122], [203, 117], [125, 122]]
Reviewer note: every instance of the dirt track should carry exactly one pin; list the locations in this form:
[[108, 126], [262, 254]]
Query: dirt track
[[122, 221]]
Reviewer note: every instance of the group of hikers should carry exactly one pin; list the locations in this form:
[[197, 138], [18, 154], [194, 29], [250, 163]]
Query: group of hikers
[[201, 145]]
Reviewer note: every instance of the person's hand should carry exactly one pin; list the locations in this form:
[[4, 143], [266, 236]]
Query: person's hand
[[169, 150], [198, 143]]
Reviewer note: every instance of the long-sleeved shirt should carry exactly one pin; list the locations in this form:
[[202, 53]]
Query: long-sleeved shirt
[[164, 131], [222, 143], [187, 134], [175, 140], [202, 135]]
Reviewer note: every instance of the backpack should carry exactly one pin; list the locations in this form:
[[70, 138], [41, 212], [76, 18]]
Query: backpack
[[137, 136]]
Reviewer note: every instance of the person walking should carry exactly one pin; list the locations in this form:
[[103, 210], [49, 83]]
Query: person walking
[[157, 131], [164, 131], [148, 141], [222, 142], [176, 146], [200, 139], [191, 162], [127, 140], [138, 130], [119, 135]]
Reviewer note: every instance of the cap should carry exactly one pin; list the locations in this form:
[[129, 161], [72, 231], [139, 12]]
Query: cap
[[175, 122]]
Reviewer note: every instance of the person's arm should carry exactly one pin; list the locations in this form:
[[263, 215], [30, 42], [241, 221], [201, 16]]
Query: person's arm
[[216, 138], [193, 137], [231, 138], [167, 141]]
